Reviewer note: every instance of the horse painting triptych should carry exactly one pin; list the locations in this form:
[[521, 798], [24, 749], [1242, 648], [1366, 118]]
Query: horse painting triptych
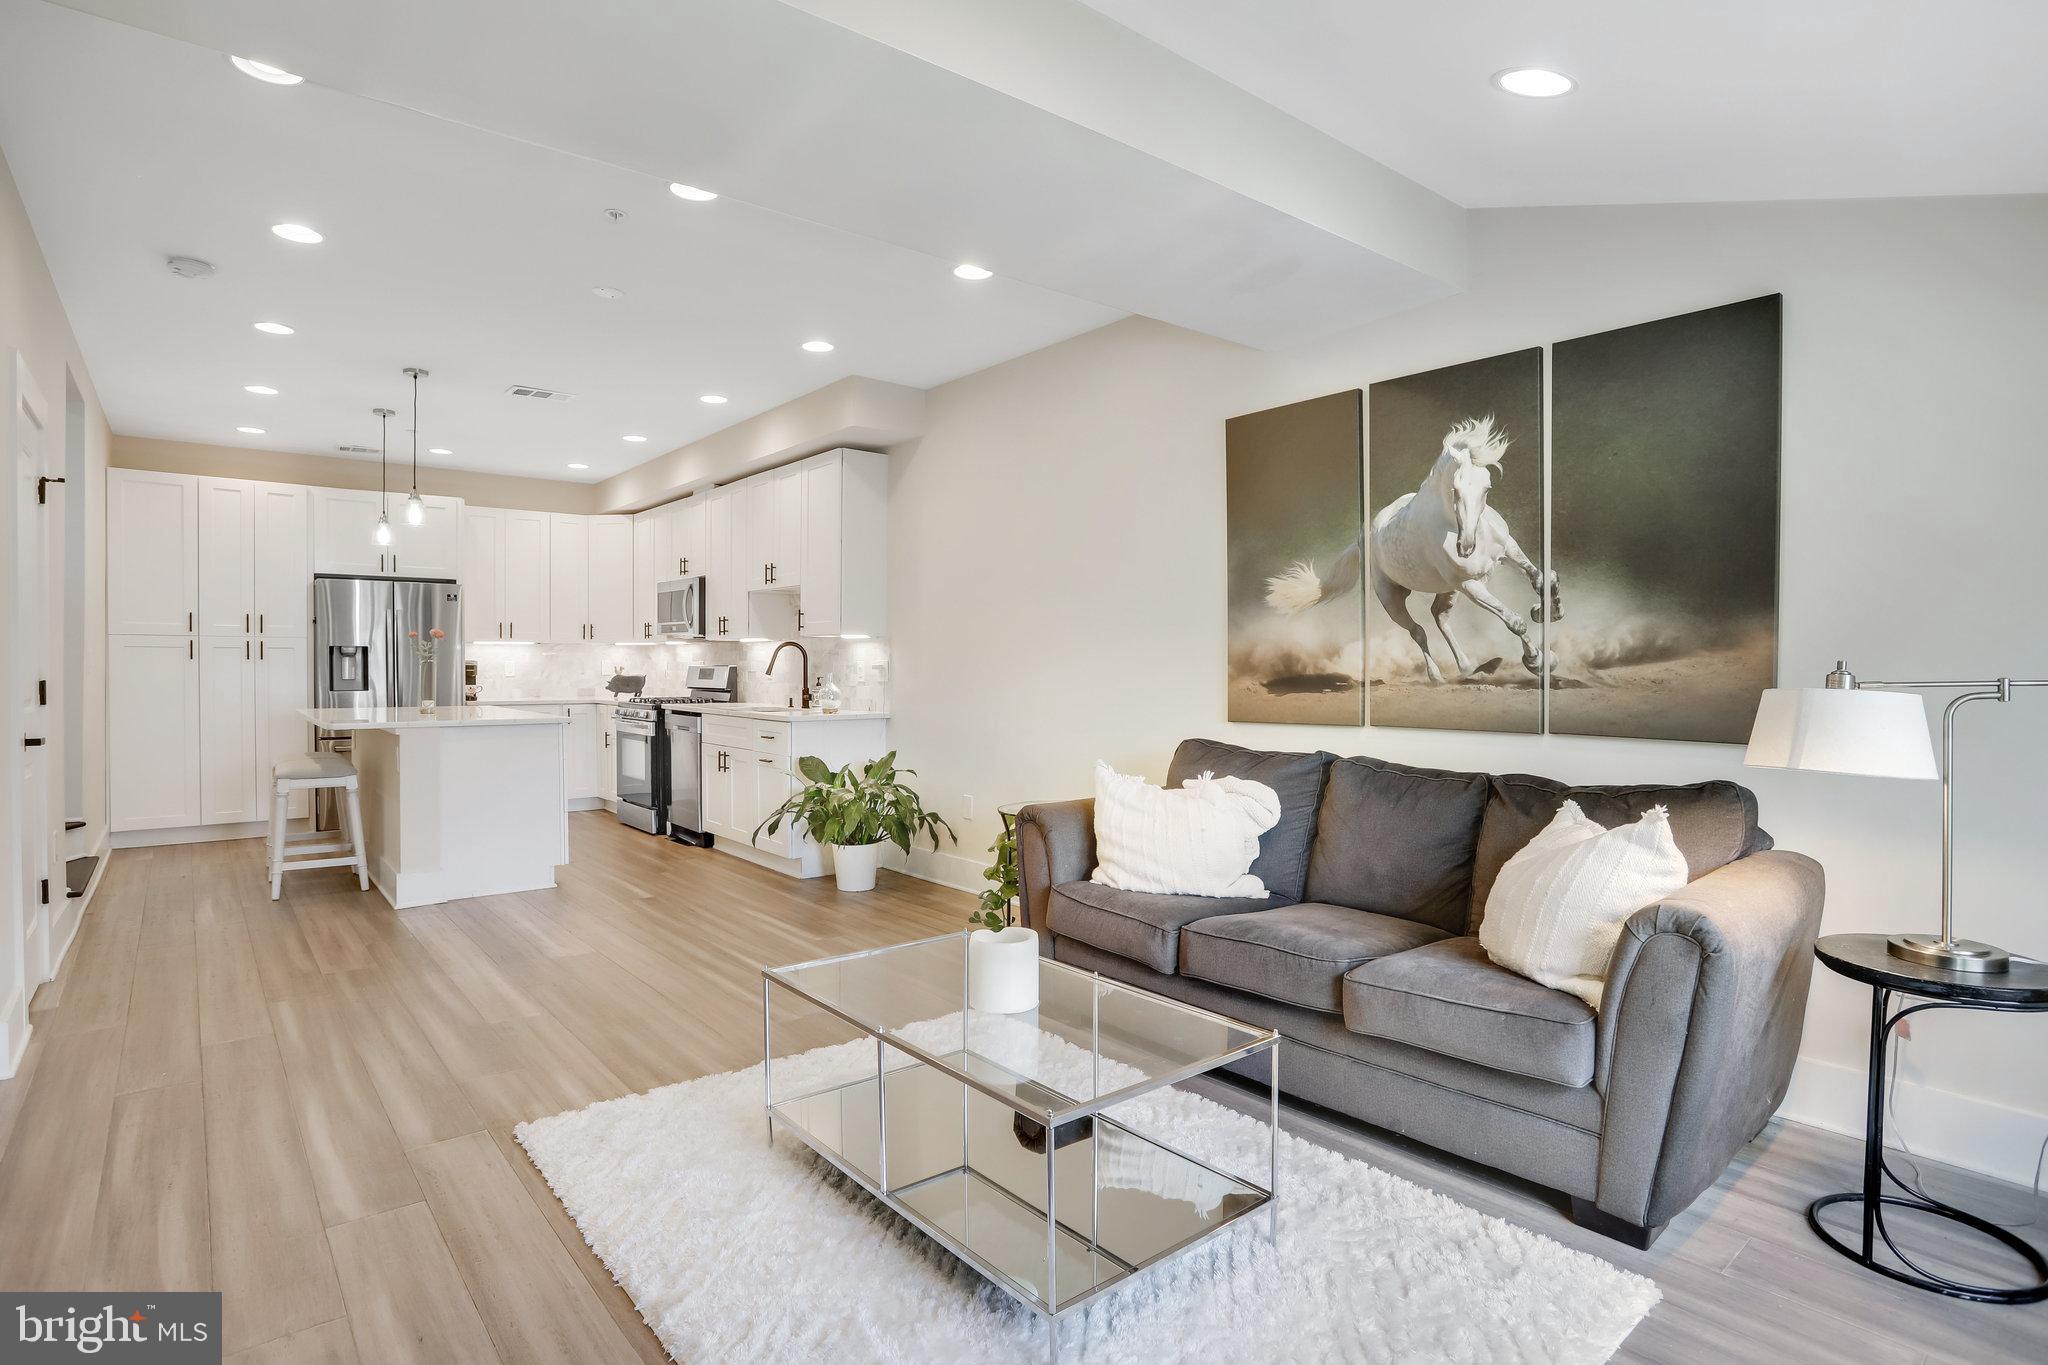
[[1401, 605]]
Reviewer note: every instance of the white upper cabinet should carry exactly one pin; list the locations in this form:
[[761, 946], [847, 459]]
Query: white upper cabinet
[[686, 536], [757, 497], [227, 557], [283, 566], [523, 582], [483, 569], [726, 581], [785, 548], [846, 544], [345, 528], [432, 549], [152, 552], [613, 588], [650, 553], [568, 581], [344, 532]]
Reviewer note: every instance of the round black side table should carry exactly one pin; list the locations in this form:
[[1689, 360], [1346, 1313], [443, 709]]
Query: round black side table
[[2022, 990]]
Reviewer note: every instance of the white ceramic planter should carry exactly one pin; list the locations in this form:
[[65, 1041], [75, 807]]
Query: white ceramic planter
[[1002, 970], [853, 865]]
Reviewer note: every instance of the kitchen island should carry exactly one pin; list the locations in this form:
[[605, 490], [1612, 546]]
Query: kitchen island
[[468, 801]]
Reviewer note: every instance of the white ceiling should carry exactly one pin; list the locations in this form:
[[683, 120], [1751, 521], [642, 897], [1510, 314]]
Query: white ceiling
[[1729, 100], [467, 253]]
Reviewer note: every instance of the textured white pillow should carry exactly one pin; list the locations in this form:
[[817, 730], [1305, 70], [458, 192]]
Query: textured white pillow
[[1558, 905], [1198, 841]]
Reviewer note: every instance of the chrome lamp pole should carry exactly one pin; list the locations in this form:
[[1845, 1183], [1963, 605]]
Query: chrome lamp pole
[[1945, 951]]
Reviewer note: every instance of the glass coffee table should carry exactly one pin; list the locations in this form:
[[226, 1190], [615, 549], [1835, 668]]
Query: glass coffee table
[[988, 1132]]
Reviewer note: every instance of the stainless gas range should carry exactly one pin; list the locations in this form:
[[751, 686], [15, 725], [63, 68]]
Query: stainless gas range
[[660, 786]]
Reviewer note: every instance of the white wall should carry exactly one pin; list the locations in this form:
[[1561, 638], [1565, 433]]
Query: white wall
[[1057, 588], [32, 322]]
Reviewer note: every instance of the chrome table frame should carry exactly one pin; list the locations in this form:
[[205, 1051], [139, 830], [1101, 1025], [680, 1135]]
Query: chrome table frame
[[1054, 1119]]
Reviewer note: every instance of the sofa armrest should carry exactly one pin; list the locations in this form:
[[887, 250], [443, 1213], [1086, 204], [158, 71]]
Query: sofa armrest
[[1055, 845], [1699, 1028]]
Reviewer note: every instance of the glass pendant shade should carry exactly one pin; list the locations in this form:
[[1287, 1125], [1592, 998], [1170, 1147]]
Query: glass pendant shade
[[415, 511], [382, 535]]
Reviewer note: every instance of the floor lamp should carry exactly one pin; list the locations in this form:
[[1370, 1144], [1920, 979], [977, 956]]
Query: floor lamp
[[1875, 729]]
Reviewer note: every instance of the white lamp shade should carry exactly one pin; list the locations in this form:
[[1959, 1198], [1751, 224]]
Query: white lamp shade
[[1842, 730]]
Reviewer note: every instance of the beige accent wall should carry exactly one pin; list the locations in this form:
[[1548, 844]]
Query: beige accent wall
[[325, 471], [33, 324], [864, 413], [1057, 570]]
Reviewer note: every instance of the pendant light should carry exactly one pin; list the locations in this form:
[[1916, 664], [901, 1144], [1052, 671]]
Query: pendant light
[[382, 535], [415, 510]]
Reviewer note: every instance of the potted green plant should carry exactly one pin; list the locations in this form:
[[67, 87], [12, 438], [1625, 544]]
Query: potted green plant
[[1002, 955], [855, 813]]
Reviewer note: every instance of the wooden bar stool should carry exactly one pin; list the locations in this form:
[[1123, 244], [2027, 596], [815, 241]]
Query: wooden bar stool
[[306, 773]]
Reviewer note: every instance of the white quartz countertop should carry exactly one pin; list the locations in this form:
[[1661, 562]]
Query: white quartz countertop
[[607, 699], [749, 711], [410, 718]]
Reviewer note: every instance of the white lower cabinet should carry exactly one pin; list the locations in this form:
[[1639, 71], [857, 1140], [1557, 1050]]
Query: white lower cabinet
[[721, 815], [284, 683], [750, 769], [153, 731], [608, 752], [585, 746], [227, 731]]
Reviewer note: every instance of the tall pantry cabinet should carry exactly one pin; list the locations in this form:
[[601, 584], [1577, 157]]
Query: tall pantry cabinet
[[207, 655]]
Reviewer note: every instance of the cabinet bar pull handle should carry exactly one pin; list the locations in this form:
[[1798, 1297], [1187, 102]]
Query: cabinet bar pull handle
[[260, 645], [188, 650], [259, 623], [245, 623], [767, 760], [245, 649], [188, 620]]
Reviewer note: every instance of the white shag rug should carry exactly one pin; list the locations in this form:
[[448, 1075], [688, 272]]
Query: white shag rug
[[734, 1251]]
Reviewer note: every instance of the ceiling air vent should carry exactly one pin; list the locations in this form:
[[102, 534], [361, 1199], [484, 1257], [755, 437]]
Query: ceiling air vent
[[529, 391], [357, 450]]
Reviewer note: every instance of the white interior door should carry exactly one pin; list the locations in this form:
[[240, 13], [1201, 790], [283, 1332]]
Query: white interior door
[[25, 936]]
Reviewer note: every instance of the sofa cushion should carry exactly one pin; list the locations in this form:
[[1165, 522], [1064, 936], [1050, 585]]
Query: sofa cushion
[[1140, 925], [1714, 823], [1397, 841], [1297, 779], [1296, 953], [1446, 997]]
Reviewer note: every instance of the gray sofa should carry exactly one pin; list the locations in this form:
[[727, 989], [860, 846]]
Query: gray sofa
[[1365, 957]]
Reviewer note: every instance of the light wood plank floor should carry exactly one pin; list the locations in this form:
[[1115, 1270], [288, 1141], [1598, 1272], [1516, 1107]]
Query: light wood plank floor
[[308, 1105]]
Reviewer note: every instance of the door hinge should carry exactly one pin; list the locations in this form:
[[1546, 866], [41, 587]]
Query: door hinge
[[43, 488]]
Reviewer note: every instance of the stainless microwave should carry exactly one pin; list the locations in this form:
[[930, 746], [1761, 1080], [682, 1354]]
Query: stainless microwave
[[679, 608]]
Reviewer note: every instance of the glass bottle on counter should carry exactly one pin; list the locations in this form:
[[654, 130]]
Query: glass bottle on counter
[[827, 697]]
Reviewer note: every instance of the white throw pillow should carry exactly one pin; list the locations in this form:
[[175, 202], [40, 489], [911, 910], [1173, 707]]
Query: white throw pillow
[[1198, 841], [1558, 905]]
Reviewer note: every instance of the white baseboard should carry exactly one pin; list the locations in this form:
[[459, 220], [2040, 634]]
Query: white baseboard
[[1978, 1135], [65, 923], [947, 869], [195, 834]]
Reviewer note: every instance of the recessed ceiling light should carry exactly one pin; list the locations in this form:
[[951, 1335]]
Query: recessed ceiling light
[[263, 389], [712, 398], [250, 431], [439, 450], [817, 347], [276, 329], [972, 272], [264, 71], [578, 466], [691, 193], [297, 232], [636, 440], [1534, 82], [605, 291]]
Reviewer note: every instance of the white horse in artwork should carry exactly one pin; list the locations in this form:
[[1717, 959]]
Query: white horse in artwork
[[1443, 539]]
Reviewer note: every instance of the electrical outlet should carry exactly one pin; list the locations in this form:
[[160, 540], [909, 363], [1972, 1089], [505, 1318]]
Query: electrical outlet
[[966, 808], [881, 671]]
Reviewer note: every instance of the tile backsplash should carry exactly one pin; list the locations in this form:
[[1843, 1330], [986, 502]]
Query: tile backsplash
[[512, 672]]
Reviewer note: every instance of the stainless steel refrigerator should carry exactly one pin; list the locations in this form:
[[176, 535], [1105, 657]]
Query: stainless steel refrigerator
[[363, 654]]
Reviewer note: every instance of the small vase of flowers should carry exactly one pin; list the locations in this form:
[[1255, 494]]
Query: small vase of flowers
[[423, 655]]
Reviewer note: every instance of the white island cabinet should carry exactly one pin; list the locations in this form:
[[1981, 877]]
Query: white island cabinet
[[468, 801]]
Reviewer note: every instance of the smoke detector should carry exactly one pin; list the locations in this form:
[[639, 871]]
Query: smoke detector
[[189, 267], [532, 391], [607, 293]]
